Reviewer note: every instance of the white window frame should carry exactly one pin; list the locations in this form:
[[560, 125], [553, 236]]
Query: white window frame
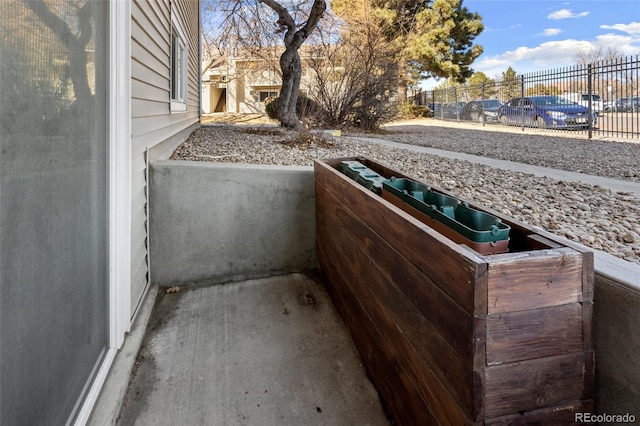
[[178, 65], [270, 93]]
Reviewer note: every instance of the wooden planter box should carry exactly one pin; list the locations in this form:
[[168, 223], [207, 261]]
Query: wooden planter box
[[450, 336]]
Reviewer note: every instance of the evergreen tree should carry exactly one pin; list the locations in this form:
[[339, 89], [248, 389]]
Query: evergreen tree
[[481, 86], [511, 86], [435, 36]]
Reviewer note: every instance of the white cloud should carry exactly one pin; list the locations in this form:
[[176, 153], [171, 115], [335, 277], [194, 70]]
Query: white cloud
[[552, 54], [630, 28], [566, 14], [545, 54], [626, 45], [510, 27], [549, 32]]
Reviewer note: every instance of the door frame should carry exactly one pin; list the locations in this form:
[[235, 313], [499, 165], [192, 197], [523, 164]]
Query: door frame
[[119, 197]]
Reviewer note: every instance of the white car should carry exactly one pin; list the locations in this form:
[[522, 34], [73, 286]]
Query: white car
[[597, 105]]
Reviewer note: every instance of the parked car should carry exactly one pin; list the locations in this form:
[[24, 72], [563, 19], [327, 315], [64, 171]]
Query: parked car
[[546, 111], [597, 104], [452, 110], [609, 106], [628, 104], [482, 111], [436, 109]]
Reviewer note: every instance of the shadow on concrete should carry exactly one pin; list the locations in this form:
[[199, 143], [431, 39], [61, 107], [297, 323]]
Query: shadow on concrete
[[261, 352]]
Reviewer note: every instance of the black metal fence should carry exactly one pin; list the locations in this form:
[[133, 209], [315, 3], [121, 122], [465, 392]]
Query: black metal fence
[[599, 100]]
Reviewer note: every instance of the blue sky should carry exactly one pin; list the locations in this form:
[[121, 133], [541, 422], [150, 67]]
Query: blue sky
[[533, 35]]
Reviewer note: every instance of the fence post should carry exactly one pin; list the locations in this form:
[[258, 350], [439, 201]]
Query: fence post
[[522, 99], [455, 99], [484, 118], [590, 103]]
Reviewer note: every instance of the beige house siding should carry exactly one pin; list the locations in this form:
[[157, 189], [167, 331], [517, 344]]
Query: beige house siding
[[154, 126], [245, 79]]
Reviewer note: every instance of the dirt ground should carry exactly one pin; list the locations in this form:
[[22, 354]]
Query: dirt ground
[[237, 119]]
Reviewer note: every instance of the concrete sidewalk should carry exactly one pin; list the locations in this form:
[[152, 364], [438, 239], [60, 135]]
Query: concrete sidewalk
[[262, 352], [612, 184]]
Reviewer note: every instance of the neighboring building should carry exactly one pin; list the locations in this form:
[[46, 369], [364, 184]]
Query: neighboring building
[[240, 83], [92, 91], [214, 86]]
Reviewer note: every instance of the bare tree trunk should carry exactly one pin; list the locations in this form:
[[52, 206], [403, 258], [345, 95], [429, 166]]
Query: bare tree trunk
[[291, 67], [290, 62]]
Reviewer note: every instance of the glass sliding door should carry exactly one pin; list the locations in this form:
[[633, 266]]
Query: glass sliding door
[[53, 206]]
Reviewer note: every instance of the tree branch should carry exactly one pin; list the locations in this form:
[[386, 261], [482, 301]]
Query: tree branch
[[75, 46], [285, 20], [317, 10]]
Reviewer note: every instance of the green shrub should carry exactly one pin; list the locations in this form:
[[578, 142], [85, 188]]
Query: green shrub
[[305, 108], [271, 107], [412, 110]]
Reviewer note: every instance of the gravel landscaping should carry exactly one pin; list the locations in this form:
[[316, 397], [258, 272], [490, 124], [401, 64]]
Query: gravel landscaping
[[591, 215]]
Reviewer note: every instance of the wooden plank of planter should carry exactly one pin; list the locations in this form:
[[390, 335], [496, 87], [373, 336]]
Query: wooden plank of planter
[[390, 377], [448, 319], [562, 415], [419, 349], [517, 336], [536, 279], [532, 384], [587, 324], [453, 268], [553, 240], [589, 375], [588, 276], [538, 242], [588, 272]]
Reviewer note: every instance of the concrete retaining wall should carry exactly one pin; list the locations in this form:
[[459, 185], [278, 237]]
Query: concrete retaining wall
[[221, 222], [616, 335]]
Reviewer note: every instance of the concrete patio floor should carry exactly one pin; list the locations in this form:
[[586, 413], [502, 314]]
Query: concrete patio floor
[[261, 352]]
